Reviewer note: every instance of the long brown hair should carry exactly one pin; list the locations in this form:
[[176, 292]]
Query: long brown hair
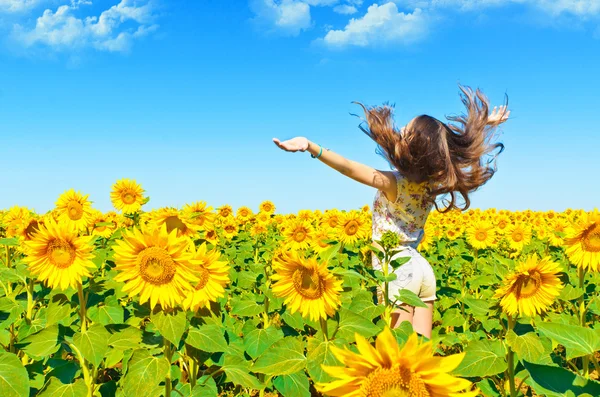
[[449, 156]]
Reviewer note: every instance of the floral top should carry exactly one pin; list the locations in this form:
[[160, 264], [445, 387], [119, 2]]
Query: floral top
[[406, 216]]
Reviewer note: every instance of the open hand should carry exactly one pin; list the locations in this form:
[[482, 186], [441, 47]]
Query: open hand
[[293, 145], [499, 115]]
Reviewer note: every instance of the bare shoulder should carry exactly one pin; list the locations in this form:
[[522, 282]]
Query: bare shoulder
[[388, 184]]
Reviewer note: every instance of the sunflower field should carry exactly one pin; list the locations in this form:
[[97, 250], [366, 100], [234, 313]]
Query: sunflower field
[[196, 301]]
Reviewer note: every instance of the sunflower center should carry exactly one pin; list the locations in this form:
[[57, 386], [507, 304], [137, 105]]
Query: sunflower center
[[308, 283], [299, 235], [61, 253], [517, 236], [204, 276], [502, 224], [332, 222], [481, 235], [229, 228], [591, 238], [351, 228], [128, 197], [528, 284], [75, 210], [156, 265], [394, 382], [173, 222]]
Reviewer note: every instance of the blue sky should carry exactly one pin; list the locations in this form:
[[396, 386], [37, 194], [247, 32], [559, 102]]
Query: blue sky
[[186, 96]]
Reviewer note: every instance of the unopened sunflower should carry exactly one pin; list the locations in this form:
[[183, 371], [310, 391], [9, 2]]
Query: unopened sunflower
[[388, 370], [306, 285], [127, 196], [531, 288], [57, 256], [583, 242], [155, 265]]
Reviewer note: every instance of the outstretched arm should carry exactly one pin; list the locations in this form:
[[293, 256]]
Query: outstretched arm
[[381, 180]]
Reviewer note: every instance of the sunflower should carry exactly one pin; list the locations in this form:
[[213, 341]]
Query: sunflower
[[305, 215], [558, 229], [244, 214], [297, 234], [127, 196], [175, 220], [502, 221], [74, 208], [225, 211], [264, 218], [365, 208], [481, 235], [531, 288], [320, 236], [103, 224], [230, 229], [267, 207], [214, 276], [388, 370], [57, 256], [211, 236], [306, 285], [155, 265], [15, 220], [351, 228], [258, 229], [583, 242], [199, 214], [518, 236], [426, 240], [331, 219]]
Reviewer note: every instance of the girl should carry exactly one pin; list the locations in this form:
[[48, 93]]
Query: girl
[[430, 158]]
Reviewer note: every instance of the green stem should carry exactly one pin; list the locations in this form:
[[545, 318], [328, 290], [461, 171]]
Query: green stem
[[169, 356], [7, 249], [193, 372], [29, 300], [89, 381], [511, 364], [582, 318], [82, 304], [323, 322]]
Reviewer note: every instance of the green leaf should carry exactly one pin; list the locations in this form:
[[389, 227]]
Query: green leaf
[[294, 385], [284, 357], [452, 318], [209, 338], [56, 388], [319, 353], [570, 293], [258, 340], [41, 344], [9, 312], [107, 314], [483, 358], [239, 375], [170, 325], [329, 253], [14, 380], [293, 320], [396, 263], [559, 380], [11, 242], [410, 298], [578, 341], [351, 323], [479, 307], [59, 310], [125, 338], [144, 374], [529, 347], [247, 308], [93, 343]]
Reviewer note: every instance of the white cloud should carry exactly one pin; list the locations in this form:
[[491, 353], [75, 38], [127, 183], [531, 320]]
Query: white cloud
[[382, 24], [17, 5], [581, 8], [287, 16], [345, 9], [62, 30], [320, 2]]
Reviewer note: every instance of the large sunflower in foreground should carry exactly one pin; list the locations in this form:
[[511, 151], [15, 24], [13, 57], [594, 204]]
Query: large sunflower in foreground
[[531, 288], [155, 265], [57, 256], [127, 196], [74, 208], [388, 370], [306, 285], [583, 242], [214, 276]]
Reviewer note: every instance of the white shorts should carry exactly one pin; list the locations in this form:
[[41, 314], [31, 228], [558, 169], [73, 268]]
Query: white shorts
[[415, 275]]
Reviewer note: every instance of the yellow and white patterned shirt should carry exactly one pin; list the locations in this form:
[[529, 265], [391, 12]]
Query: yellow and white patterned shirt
[[407, 215]]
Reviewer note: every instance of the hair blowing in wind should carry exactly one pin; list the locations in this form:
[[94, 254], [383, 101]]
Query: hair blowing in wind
[[452, 157]]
